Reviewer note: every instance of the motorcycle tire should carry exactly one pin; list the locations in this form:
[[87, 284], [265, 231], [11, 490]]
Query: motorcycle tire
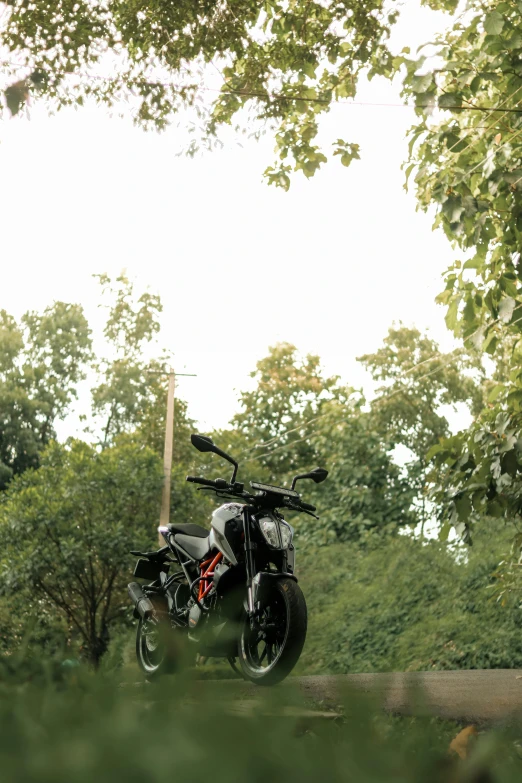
[[268, 652], [159, 648]]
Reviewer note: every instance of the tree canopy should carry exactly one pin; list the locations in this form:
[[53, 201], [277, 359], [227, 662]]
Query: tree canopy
[[66, 530], [416, 380], [279, 415], [467, 163], [280, 65], [418, 384], [296, 418], [42, 360], [366, 491]]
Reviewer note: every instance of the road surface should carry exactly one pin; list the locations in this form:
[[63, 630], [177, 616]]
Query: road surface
[[476, 696]]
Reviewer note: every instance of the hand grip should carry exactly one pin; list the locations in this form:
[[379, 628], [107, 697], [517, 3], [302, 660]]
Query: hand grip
[[308, 506], [200, 480]]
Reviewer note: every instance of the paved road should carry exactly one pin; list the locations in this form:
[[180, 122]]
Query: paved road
[[479, 696]]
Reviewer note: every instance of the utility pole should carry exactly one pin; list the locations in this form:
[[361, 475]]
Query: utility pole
[[167, 452]]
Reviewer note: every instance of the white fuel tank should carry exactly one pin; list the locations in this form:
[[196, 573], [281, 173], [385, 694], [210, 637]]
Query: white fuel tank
[[220, 517]]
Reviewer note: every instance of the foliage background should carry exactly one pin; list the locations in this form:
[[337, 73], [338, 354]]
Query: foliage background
[[404, 604]]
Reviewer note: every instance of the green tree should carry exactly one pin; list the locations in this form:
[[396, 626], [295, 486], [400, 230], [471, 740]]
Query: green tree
[[417, 380], [131, 386], [286, 63], [281, 413], [466, 161], [42, 359], [131, 396], [66, 530], [132, 393], [296, 418], [366, 492]]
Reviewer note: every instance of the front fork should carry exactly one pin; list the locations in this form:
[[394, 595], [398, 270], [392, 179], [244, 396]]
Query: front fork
[[257, 583], [249, 561]]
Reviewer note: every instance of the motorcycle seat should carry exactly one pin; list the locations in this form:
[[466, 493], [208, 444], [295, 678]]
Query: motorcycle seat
[[194, 546], [196, 531]]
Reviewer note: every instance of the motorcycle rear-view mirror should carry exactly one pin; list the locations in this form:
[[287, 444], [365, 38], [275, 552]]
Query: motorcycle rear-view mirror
[[317, 475], [204, 443]]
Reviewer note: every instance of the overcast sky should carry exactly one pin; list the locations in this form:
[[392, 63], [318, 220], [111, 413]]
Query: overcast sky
[[239, 265]]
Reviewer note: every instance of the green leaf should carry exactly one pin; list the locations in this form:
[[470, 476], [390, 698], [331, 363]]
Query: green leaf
[[436, 449], [421, 84], [463, 506], [490, 344], [452, 314], [494, 23], [450, 100], [15, 97], [473, 263], [495, 391], [468, 313], [445, 530]]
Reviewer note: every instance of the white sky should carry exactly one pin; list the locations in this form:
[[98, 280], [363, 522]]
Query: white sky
[[239, 265]]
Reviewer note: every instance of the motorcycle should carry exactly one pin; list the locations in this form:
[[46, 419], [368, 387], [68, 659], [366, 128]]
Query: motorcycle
[[230, 592]]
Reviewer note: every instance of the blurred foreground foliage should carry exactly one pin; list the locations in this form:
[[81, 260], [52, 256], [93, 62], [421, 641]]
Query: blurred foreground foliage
[[68, 724]]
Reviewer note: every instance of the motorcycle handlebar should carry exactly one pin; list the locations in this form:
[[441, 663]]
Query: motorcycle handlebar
[[200, 480], [214, 483], [221, 484]]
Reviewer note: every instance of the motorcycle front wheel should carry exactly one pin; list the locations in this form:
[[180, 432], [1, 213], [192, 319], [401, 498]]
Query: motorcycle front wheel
[[270, 649]]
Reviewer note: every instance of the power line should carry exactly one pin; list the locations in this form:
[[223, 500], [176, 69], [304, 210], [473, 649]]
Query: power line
[[267, 96]]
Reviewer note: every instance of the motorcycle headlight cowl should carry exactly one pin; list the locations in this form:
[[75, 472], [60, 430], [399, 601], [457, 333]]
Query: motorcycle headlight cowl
[[286, 534], [269, 527], [277, 535]]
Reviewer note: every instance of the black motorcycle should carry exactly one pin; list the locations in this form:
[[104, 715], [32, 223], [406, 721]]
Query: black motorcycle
[[232, 590]]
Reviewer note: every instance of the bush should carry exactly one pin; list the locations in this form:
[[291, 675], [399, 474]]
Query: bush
[[406, 605]]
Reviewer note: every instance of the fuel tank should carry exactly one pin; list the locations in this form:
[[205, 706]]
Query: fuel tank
[[219, 534]]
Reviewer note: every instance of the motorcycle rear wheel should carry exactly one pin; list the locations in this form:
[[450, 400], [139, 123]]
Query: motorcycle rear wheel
[[269, 651], [151, 652], [159, 648]]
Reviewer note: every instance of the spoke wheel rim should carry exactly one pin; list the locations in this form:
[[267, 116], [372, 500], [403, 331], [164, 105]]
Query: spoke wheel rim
[[263, 645], [151, 652]]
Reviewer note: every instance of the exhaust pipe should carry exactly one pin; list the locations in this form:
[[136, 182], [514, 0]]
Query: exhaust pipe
[[142, 605]]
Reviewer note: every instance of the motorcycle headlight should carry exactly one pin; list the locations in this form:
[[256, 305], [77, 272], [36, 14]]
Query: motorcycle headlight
[[270, 529], [286, 534]]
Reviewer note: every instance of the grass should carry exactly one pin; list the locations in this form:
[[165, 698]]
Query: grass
[[67, 724]]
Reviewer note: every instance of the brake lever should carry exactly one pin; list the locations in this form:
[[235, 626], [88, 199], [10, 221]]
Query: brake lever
[[301, 510]]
